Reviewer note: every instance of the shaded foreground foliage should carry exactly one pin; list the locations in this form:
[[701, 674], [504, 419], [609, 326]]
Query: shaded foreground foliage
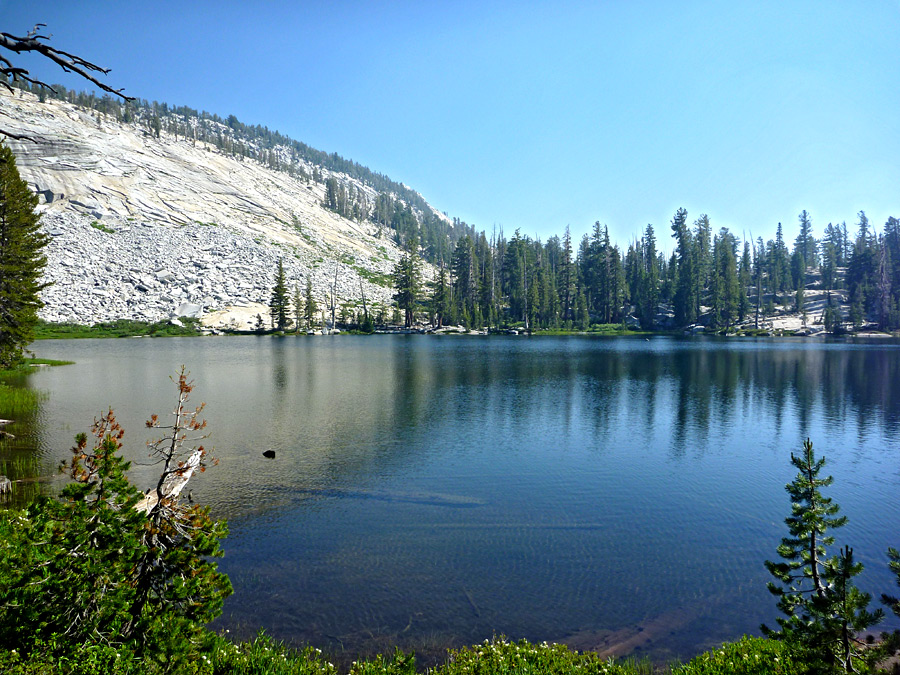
[[108, 570]]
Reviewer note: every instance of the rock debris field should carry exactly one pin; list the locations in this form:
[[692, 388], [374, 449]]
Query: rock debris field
[[124, 268], [149, 228]]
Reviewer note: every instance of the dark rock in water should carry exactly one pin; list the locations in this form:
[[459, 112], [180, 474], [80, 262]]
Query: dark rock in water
[[269, 453]]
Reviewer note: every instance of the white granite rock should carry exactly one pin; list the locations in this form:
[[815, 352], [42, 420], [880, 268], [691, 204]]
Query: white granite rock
[[151, 229]]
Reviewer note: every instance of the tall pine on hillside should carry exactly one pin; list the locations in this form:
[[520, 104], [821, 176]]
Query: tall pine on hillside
[[407, 280], [278, 304], [310, 305], [21, 262]]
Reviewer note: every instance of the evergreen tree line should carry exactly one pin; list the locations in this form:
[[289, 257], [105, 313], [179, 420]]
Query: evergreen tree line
[[298, 310], [714, 278], [397, 207]]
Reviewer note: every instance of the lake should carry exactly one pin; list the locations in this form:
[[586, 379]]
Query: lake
[[431, 492]]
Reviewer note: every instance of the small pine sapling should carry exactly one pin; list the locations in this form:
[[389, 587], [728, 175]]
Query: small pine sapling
[[824, 611]]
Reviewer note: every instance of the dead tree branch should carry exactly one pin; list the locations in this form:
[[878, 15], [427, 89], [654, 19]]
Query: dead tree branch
[[34, 41]]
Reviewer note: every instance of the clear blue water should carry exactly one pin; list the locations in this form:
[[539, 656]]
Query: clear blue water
[[431, 492]]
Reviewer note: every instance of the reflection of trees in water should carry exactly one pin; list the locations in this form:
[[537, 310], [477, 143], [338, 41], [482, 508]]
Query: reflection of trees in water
[[20, 460], [693, 387], [363, 409], [711, 385]]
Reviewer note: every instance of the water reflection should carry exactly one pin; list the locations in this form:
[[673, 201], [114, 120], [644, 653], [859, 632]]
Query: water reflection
[[429, 492], [28, 474]]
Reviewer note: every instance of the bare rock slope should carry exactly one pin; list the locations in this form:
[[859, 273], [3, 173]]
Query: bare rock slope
[[153, 228]]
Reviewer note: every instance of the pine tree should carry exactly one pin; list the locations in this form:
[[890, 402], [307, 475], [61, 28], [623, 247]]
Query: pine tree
[[891, 601], [798, 269], [829, 261], [566, 278], [704, 260], [310, 305], [515, 273], [805, 242], [812, 515], [440, 297], [21, 262], [582, 317], [759, 265], [407, 280], [884, 300], [464, 274], [106, 564], [831, 317], [278, 304], [844, 616], [685, 284], [862, 270], [298, 307], [650, 279], [725, 279], [782, 260], [824, 611], [745, 277]]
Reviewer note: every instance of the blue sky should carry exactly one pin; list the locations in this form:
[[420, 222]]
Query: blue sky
[[537, 116]]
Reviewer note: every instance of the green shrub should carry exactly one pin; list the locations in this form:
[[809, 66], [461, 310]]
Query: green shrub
[[398, 664], [500, 657], [264, 656], [92, 571], [103, 228], [747, 656], [93, 659]]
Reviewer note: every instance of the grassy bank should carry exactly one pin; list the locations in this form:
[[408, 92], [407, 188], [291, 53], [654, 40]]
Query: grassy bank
[[115, 329], [16, 399]]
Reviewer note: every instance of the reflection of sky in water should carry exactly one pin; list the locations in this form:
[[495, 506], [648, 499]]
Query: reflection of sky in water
[[433, 491]]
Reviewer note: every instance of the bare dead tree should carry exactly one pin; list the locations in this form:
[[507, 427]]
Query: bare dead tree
[[178, 463], [34, 41]]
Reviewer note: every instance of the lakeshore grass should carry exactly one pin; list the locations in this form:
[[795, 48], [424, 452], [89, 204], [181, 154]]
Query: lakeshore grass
[[16, 401], [45, 330]]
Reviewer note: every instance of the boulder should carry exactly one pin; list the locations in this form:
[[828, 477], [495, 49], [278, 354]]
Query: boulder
[[189, 310]]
